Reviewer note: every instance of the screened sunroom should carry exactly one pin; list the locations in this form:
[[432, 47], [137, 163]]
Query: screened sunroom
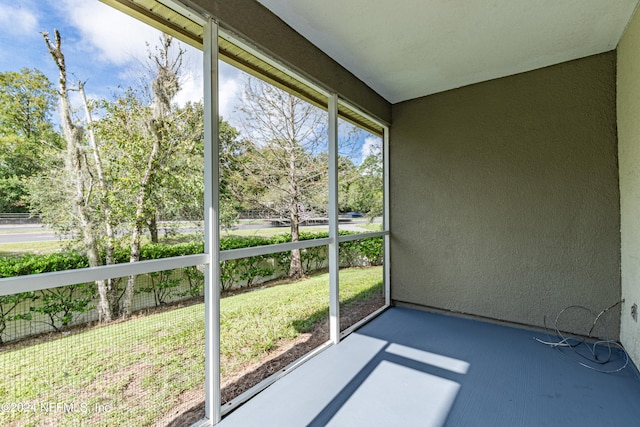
[[417, 214]]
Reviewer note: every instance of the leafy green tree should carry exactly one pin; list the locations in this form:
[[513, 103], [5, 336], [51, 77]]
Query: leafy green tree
[[137, 161], [347, 175], [232, 156], [365, 192], [27, 99], [28, 140], [179, 190], [140, 133]]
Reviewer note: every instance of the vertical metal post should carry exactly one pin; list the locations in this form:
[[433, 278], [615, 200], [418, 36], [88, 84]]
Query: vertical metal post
[[211, 228], [385, 219], [334, 247]]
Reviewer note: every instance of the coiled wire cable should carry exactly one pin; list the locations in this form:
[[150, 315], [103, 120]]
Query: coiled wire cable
[[592, 357]]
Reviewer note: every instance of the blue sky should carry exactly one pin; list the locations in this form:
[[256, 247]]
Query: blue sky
[[105, 49], [102, 46]]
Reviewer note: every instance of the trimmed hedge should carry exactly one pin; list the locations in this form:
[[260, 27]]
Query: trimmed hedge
[[354, 253], [59, 305], [34, 264]]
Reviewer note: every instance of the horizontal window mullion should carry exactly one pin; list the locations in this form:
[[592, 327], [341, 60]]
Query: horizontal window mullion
[[232, 254], [36, 282], [361, 236]]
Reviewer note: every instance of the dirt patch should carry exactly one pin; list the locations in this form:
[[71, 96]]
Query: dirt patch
[[183, 412], [287, 352]]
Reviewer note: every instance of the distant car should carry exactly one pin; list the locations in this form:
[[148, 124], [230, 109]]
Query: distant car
[[354, 214]]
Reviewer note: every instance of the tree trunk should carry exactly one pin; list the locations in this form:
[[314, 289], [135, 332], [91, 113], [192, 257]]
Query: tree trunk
[[108, 289], [164, 88], [152, 224], [75, 164], [295, 268], [134, 255]]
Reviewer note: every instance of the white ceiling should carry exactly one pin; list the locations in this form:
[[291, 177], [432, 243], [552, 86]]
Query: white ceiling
[[405, 49]]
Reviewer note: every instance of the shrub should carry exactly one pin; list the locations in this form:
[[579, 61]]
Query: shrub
[[9, 306], [60, 305], [359, 253], [195, 280], [161, 284], [34, 264]]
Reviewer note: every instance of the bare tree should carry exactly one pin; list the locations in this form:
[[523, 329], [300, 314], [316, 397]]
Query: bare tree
[[78, 173], [286, 167]]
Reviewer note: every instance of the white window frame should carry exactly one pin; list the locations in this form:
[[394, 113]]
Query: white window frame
[[214, 410]]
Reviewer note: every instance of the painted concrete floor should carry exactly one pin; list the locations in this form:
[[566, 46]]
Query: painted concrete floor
[[414, 368]]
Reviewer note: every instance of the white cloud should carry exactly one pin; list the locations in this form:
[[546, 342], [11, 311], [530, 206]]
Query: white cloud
[[117, 37], [191, 88], [191, 79], [18, 19], [228, 95], [120, 40], [372, 146]]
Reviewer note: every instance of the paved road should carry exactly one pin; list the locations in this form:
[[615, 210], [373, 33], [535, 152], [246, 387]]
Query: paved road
[[25, 233], [26, 237], [37, 233]]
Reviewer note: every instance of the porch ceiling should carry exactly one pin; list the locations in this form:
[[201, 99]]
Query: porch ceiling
[[411, 48]]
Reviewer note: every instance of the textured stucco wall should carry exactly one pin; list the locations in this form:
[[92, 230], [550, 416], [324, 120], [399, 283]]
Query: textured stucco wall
[[504, 196], [629, 153], [255, 23]]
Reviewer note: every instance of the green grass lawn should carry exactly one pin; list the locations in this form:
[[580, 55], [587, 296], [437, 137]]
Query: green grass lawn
[[135, 371], [371, 226], [272, 231], [51, 246], [45, 247]]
